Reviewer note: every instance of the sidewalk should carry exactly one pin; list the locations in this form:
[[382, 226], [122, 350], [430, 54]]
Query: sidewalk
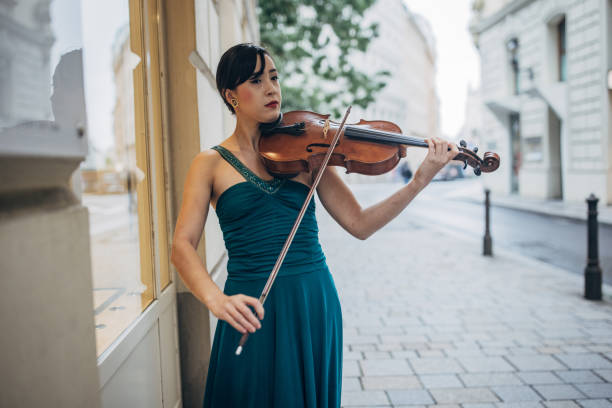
[[473, 191], [429, 321]]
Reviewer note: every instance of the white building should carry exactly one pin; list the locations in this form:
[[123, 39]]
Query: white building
[[406, 48], [544, 68]]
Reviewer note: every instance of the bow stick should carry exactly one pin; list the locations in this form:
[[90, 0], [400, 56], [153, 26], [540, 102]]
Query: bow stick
[[281, 257]]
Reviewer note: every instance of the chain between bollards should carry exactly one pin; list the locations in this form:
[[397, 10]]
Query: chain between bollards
[[487, 241], [592, 271]]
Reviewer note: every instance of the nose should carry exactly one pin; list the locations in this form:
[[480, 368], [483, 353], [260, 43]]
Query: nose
[[270, 87]]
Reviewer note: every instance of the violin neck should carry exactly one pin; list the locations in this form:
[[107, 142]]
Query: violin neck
[[357, 132]]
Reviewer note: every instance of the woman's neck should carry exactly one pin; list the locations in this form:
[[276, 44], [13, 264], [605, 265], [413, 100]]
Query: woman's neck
[[246, 135]]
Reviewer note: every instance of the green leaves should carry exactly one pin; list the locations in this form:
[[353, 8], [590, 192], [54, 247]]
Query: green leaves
[[310, 42]]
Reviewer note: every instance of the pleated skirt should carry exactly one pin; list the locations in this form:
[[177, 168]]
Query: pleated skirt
[[293, 360]]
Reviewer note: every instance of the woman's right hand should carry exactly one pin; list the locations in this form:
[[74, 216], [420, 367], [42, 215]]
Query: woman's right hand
[[234, 310]]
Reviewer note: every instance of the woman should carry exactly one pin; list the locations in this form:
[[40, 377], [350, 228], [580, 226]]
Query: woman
[[294, 355]]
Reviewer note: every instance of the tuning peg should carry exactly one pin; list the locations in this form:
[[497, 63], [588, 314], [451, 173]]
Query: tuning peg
[[477, 170], [475, 149], [462, 143], [464, 164]]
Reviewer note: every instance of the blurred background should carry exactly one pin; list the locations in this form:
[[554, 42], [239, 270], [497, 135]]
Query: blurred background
[[103, 105]]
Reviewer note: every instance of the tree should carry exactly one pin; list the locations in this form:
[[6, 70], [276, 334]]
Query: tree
[[310, 42]]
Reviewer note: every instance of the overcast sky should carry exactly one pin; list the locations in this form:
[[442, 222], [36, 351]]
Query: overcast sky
[[458, 62]]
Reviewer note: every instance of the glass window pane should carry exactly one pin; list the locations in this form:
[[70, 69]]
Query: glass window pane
[[110, 177]]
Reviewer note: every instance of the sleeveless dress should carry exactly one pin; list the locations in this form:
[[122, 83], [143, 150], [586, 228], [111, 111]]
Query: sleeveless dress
[[295, 358]]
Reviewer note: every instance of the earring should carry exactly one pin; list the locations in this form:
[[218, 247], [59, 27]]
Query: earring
[[234, 102]]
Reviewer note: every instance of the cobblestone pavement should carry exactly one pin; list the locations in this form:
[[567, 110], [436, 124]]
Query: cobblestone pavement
[[429, 321]]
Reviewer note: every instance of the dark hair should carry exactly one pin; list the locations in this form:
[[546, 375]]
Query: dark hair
[[237, 65]]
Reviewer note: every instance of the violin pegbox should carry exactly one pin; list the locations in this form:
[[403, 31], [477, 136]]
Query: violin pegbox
[[489, 162]]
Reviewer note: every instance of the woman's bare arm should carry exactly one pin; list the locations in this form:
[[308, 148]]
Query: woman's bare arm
[[340, 202], [187, 234]]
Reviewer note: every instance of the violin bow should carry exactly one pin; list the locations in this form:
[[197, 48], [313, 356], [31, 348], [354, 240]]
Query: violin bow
[[281, 257]]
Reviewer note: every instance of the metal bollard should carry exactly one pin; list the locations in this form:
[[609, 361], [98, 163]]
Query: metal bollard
[[592, 272], [487, 241]]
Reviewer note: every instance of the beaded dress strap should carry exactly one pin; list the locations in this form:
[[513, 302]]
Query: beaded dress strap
[[269, 186]]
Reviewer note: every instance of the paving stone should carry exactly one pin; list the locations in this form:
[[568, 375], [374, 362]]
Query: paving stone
[[352, 355], [523, 351], [578, 376], [584, 361], [513, 393], [561, 404], [389, 347], [363, 398], [403, 354], [465, 352], [485, 364], [596, 390], [539, 377], [360, 339], [440, 381], [574, 349], [385, 367], [478, 405], [595, 403], [350, 368], [535, 363], [430, 353], [435, 365], [390, 382], [605, 374], [410, 397], [351, 384], [363, 347], [495, 351], [558, 391], [489, 379], [462, 395], [372, 355], [520, 404]]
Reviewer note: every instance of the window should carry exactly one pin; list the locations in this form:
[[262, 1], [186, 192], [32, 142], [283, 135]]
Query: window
[[561, 60], [121, 63], [513, 47]]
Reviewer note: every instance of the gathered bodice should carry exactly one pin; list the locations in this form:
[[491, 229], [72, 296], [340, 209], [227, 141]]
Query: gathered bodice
[[257, 215]]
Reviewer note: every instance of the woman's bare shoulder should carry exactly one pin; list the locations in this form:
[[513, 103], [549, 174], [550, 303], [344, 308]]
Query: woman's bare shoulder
[[203, 166]]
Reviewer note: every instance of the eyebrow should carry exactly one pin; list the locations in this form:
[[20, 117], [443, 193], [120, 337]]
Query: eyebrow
[[269, 72]]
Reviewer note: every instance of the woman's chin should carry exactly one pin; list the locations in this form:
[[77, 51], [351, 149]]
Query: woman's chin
[[271, 115]]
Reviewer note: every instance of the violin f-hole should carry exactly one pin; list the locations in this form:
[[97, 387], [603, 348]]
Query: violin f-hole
[[310, 146]]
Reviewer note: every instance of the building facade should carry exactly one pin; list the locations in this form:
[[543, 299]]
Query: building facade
[[547, 101], [94, 312], [406, 48]]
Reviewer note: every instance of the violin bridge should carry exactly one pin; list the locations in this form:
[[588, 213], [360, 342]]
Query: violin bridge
[[325, 128]]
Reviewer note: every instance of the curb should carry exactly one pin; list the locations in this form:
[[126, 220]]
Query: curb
[[539, 211]]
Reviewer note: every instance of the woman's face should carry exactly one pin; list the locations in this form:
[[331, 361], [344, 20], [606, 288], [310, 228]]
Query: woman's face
[[254, 94]]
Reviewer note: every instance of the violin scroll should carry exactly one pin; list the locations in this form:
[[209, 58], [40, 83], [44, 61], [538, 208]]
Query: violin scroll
[[489, 162]]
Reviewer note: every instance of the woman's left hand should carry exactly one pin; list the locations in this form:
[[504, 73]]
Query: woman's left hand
[[437, 157]]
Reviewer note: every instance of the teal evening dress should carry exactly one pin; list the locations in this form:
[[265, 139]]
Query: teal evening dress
[[295, 358]]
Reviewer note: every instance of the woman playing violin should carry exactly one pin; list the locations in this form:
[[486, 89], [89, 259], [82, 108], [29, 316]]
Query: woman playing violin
[[294, 356]]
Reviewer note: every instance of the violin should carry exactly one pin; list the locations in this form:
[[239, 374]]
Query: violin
[[306, 141], [297, 141]]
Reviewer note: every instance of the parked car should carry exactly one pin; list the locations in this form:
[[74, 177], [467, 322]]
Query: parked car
[[450, 172]]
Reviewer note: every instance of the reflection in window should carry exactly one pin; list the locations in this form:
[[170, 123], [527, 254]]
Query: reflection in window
[[110, 176]]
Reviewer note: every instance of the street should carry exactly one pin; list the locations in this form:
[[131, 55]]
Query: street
[[428, 321], [558, 241]]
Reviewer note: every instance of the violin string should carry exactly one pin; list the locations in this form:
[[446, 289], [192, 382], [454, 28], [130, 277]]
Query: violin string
[[372, 134]]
